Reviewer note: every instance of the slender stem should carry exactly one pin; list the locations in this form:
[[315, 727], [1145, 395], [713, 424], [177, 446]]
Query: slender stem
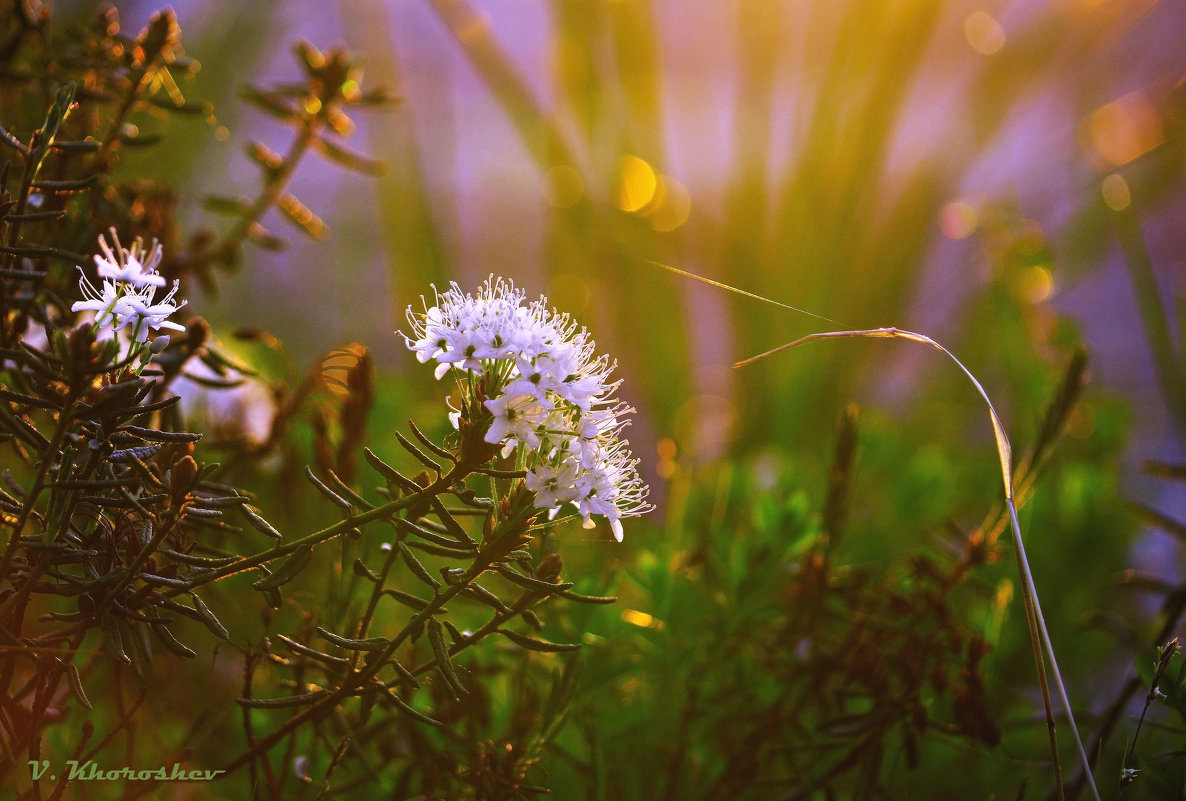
[[249, 659], [277, 181], [48, 690], [1028, 580], [103, 156], [359, 677], [1126, 783], [1166, 358], [12, 763], [132, 570], [1005, 454], [1031, 619], [318, 537], [22, 203], [125, 720], [60, 786], [1173, 615], [522, 603], [15, 606], [45, 460], [368, 614]]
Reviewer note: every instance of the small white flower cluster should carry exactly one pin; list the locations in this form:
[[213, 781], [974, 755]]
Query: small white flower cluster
[[128, 294], [548, 394]]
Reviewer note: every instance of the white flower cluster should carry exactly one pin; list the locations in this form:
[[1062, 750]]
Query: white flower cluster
[[548, 394], [128, 295]]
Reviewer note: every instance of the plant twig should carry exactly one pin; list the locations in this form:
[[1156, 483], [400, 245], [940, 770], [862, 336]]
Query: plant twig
[[1163, 661], [1039, 635]]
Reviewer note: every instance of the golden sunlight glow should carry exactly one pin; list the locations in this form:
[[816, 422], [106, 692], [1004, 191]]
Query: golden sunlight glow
[[562, 186], [958, 220], [984, 33], [637, 183], [570, 292], [1000, 604], [671, 206], [1034, 284], [1083, 8], [351, 90], [1127, 127], [472, 26], [1115, 191], [666, 451], [641, 619]]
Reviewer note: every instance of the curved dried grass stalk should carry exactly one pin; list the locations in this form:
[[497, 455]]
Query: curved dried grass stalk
[[1039, 635]]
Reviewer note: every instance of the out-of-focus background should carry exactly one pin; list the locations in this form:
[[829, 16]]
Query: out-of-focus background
[[1006, 177], [873, 163]]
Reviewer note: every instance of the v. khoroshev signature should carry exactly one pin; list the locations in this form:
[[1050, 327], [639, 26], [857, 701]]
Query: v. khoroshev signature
[[91, 771]]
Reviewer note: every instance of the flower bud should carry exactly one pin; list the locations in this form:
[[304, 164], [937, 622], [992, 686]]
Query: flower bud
[[550, 567]]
